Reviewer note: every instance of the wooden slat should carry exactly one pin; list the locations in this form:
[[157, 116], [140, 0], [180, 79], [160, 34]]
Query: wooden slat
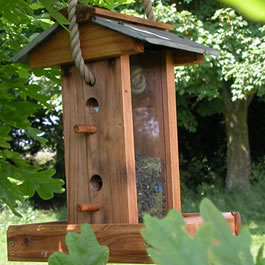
[[84, 14], [38, 242], [74, 112], [96, 42], [170, 126], [184, 57], [128, 139], [107, 154]]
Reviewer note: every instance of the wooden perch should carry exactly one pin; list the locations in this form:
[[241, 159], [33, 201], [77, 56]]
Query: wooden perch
[[85, 129], [88, 207]]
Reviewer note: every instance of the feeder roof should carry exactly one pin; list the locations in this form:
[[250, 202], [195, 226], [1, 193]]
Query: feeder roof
[[146, 34], [155, 36]]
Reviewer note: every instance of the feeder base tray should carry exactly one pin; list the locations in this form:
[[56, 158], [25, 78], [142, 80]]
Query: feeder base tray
[[36, 242]]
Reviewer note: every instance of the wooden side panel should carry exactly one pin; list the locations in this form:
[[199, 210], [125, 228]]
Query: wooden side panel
[[74, 112], [173, 198], [100, 167], [96, 42], [38, 242]]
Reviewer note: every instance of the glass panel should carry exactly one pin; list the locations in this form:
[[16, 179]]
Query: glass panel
[[148, 133]]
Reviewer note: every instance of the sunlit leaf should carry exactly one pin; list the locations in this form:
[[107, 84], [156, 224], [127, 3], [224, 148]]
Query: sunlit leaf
[[171, 244], [83, 250], [54, 13], [253, 9], [230, 249]]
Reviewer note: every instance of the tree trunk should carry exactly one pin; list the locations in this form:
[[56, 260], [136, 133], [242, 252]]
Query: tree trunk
[[238, 150]]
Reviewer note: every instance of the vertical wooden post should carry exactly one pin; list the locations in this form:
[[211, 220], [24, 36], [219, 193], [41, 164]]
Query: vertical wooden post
[[100, 167], [170, 129]]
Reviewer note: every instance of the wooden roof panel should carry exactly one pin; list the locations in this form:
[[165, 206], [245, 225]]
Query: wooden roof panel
[[123, 33], [155, 36]]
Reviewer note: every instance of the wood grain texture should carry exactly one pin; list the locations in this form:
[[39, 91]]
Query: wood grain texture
[[38, 242], [84, 13], [96, 42], [128, 135], [173, 197], [109, 153], [184, 57], [77, 173]]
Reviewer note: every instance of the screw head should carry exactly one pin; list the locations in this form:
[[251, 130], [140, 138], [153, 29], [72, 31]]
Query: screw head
[[11, 243], [146, 245]]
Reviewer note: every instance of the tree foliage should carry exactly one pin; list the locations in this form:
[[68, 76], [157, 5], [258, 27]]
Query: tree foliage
[[21, 96], [225, 84]]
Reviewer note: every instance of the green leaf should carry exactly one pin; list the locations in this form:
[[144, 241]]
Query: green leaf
[[36, 6], [253, 9], [4, 137], [35, 134], [83, 250], [260, 260], [54, 13], [231, 249], [171, 244], [42, 183], [9, 194]]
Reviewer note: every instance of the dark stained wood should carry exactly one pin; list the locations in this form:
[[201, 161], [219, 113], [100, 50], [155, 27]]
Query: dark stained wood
[[97, 42], [100, 168], [184, 57], [84, 13], [38, 242], [173, 198]]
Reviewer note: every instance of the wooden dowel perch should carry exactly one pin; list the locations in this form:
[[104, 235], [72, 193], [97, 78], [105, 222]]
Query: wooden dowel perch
[[88, 207], [85, 129]]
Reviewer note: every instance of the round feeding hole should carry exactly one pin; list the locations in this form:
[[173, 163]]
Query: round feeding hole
[[92, 105], [96, 183]]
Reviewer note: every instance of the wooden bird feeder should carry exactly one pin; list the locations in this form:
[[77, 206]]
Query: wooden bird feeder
[[120, 135]]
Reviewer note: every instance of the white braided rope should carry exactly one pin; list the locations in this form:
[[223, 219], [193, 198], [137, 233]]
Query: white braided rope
[[148, 9], [75, 39], [75, 44]]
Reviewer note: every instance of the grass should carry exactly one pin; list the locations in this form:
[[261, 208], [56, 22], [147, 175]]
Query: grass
[[250, 204]]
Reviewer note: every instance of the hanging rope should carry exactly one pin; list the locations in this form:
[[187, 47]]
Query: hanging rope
[[75, 44], [149, 9], [75, 39]]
